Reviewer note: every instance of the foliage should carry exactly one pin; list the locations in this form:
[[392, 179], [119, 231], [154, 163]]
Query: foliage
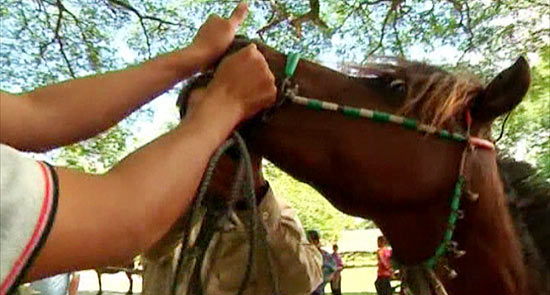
[[359, 259], [98, 154], [527, 131], [313, 210], [47, 41]]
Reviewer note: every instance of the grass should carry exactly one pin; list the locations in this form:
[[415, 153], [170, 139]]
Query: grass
[[357, 281]]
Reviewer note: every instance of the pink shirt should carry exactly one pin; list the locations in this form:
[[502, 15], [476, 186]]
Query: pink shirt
[[338, 260], [384, 263]]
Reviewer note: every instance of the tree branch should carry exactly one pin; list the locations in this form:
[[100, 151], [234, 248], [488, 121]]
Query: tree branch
[[458, 6], [280, 15], [89, 45], [147, 40], [142, 19], [382, 33], [58, 37], [141, 16], [312, 15], [354, 9], [397, 40]]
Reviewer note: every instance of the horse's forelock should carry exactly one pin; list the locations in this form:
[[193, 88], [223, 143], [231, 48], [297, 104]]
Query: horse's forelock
[[432, 94]]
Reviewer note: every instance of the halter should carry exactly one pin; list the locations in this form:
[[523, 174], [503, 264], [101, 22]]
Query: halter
[[446, 245]]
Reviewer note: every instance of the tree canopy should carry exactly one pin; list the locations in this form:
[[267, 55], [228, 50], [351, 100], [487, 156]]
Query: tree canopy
[[47, 41]]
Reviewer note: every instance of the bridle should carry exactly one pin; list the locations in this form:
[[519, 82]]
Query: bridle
[[290, 92]]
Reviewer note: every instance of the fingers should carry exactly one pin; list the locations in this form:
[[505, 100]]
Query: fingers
[[238, 15], [254, 53]]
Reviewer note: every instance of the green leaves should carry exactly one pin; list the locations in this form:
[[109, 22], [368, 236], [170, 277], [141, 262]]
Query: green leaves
[[98, 154], [528, 129], [313, 210]]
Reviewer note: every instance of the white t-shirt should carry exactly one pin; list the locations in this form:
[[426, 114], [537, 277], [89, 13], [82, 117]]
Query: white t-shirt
[[28, 201]]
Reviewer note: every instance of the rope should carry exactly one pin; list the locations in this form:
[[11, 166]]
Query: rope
[[250, 197], [214, 214], [197, 203]]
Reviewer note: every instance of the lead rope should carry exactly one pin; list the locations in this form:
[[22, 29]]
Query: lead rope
[[213, 216]]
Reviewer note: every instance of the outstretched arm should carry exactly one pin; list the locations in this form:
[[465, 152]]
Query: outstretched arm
[[110, 218], [70, 111]]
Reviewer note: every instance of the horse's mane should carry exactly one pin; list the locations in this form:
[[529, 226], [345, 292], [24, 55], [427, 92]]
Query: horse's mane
[[431, 94], [529, 204]]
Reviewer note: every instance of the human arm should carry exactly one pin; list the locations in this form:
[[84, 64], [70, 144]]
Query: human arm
[[105, 219], [70, 111]]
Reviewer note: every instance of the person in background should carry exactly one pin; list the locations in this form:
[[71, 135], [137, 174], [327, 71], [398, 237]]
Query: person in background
[[385, 270], [336, 282], [329, 265], [73, 286]]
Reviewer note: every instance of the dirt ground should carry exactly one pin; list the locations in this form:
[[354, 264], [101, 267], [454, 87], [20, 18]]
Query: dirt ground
[[354, 281]]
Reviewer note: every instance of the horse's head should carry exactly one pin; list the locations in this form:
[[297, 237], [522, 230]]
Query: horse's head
[[382, 171]]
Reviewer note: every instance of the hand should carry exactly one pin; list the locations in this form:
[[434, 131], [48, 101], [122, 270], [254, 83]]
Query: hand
[[216, 34], [243, 83]]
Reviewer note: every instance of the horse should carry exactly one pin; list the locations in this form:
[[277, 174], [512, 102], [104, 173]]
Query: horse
[[129, 269], [401, 179]]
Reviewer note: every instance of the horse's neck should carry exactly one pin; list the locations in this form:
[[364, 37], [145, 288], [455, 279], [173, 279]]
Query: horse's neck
[[493, 263]]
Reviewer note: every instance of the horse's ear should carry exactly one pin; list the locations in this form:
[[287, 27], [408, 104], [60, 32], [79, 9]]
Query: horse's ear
[[503, 93]]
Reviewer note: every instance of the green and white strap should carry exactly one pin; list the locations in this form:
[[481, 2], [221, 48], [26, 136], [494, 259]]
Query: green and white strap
[[315, 104], [378, 116]]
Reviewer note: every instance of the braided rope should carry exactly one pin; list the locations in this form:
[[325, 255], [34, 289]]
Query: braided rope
[[243, 183], [250, 197], [187, 250]]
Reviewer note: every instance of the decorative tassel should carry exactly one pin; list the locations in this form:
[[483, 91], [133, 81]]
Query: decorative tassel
[[451, 273], [473, 197], [459, 253], [453, 248]]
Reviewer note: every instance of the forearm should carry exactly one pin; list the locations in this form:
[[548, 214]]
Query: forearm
[[70, 111], [173, 168], [111, 218]]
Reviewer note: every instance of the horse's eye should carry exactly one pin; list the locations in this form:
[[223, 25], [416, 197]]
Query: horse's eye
[[398, 85]]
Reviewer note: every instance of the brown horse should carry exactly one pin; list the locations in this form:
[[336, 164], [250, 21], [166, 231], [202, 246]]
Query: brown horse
[[402, 179]]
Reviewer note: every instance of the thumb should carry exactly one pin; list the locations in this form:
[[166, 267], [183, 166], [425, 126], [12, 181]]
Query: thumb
[[238, 15]]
